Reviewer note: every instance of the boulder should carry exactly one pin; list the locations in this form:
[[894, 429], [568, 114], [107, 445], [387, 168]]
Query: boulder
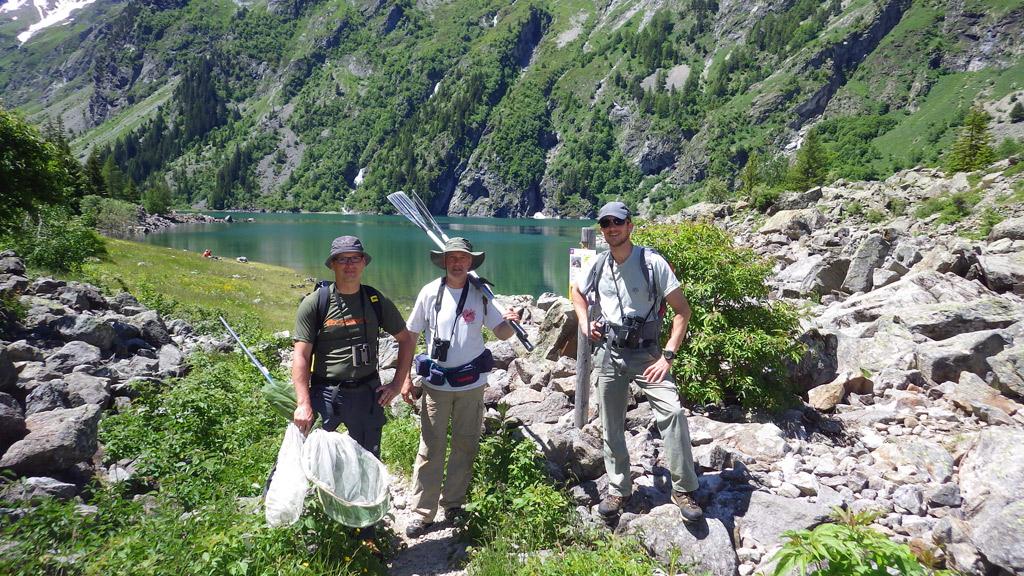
[[972, 395], [948, 319], [11, 264], [812, 275], [826, 396], [575, 451], [1003, 272], [705, 547], [558, 332], [76, 353], [504, 352], [152, 328], [122, 300], [756, 442], [86, 328], [819, 362], [12, 420], [1011, 228], [22, 351], [86, 389], [870, 254], [1008, 371], [767, 516], [943, 361], [32, 490], [550, 408], [171, 362], [924, 456], [796, 200], [56, 441], [82, 297], [47, 396], [8, 372], [12, 284], [992, 486], [794, 223], [45, 285]]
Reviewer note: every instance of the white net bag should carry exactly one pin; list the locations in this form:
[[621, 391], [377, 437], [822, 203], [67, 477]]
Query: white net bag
[[352, 483]]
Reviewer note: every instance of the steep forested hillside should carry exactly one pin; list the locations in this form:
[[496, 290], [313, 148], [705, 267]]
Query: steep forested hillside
[[509, 108]]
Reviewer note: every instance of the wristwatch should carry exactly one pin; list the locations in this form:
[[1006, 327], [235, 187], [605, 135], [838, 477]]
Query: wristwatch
[[669, 355]]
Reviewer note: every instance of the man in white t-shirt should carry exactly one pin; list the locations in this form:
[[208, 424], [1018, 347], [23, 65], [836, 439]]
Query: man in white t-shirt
[[629, 287], [452, 313]]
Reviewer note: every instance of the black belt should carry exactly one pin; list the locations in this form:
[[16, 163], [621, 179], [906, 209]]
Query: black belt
[[346, 383], [643, 344]]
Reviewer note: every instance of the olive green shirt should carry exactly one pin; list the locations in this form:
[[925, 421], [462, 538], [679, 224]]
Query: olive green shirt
[[350, 320]]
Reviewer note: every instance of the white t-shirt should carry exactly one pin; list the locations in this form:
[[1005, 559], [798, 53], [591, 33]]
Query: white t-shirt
[[625, 282], [468, 341]]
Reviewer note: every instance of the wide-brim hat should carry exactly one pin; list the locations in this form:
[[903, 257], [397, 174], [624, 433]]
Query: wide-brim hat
[[343, 244], [457, 245]]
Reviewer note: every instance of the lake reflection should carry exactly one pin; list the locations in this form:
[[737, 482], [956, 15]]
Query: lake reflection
[[523, 256]]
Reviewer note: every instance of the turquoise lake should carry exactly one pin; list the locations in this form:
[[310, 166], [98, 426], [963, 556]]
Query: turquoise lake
[[523, 256]]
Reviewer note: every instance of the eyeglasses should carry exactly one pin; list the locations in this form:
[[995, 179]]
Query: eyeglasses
[[606, 222], [348, 259]]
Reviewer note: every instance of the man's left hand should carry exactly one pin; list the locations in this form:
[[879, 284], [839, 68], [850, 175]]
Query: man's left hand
[[656, 372], [385, 394]]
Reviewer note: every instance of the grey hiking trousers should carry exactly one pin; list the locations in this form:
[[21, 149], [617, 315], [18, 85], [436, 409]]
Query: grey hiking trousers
[[617, 367]]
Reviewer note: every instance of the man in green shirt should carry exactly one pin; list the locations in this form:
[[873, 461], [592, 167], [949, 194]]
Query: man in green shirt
[[342, 385]]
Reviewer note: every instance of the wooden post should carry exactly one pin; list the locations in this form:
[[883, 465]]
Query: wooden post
[[588, 240]]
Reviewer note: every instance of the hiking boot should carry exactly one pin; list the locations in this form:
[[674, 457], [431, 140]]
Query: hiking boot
[[611, 505], [456, 516], [417, 528], [688, 507]]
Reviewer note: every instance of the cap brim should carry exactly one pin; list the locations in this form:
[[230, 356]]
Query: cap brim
[[437, 257]]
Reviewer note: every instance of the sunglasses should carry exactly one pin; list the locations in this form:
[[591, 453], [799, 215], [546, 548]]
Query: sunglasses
[[348, 259], [606, 222]]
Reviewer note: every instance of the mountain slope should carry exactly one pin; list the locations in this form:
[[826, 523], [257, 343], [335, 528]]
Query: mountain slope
[[490, 108]]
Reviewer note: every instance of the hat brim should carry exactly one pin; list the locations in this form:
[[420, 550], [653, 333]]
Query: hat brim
[[437, 257], [366, 258]]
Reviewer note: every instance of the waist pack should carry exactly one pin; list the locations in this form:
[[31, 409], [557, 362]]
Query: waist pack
[[455, 377]]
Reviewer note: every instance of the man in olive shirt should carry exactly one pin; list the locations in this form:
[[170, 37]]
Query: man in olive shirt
[[342, 385]]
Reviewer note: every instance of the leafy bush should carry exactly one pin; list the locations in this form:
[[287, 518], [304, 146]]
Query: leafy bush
[[762, 197], [845, 548], [738, 340], [512, 496], [31, 169], [400, 442], [874, 215], [951, 208], [111, 217], [53, 240], [598, 555]]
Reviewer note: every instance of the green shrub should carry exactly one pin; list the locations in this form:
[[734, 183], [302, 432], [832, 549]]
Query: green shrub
[[53, 240], [111, 217], [738, 340], [989, 218], [853, 208], [844, 548], [597, 555], [400, 442], [762, 197], [874, 215], [513, 497], [951, 208]]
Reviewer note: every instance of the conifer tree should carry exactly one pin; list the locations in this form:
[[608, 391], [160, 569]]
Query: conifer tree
[[1017, 113], [811, 165], [95, 183], [972, 150]]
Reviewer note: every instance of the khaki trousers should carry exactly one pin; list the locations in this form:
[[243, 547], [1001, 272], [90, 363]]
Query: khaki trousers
[[430, 479], [616, 369]]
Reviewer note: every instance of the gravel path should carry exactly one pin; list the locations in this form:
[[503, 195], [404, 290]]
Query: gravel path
[[439, 552]]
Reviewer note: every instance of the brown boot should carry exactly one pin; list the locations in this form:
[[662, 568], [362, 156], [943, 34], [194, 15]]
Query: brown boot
[[688, 507], [611, 505]]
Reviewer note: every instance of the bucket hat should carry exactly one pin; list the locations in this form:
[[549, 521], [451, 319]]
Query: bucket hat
[[343, 244], [457, 244]]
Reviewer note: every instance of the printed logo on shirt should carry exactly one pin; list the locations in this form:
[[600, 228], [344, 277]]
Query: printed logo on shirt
[[344, 322], [469, 315]]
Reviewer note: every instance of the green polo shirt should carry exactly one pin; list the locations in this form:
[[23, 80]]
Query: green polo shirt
[[350, 321]]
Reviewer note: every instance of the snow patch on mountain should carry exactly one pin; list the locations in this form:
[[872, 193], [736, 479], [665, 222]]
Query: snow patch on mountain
[[50, 13]]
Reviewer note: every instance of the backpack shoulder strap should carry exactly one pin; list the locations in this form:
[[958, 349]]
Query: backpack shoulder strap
[[323, 296], [594, 276], [374, 296]]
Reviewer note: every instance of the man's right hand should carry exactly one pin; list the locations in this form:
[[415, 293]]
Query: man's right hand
[[597, 330], [303, 417]]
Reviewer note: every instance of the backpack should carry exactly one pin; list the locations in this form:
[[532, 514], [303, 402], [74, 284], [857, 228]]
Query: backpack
[[593, 278], [323, 296]]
